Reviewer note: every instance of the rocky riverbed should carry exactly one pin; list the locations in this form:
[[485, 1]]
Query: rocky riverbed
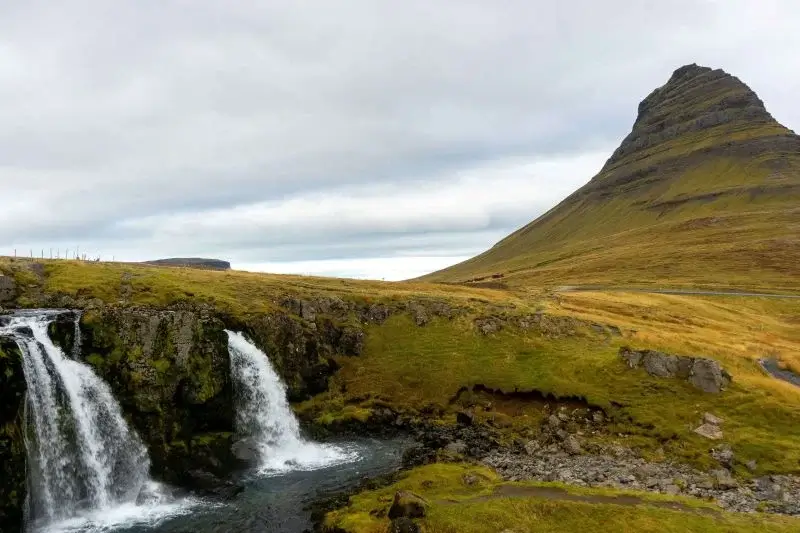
[[564, 452], [620, 468]]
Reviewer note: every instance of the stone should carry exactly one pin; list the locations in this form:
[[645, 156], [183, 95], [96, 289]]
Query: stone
[[723, 480], [465, 418], [766, 489], [598, 417], [553, 421], [419, 314], [708, 376], [307, 311], [488, 325], [376, 313], [470, 479], [708, 418], [709, 431], [403, 525], [724, 455], [660, 364], [457, 447], [572, 446], [246, 450], [532, 446], [672, 489], [632, 358], [751, 465], [8, 289], [351, 341], [207, 484], [408, 505]]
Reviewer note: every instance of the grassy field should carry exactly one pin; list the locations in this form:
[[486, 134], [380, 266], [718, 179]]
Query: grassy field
[[483, 505], [233, 291], [422, 369]]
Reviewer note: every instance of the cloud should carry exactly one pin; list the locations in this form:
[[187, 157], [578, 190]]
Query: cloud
[[282, 132]]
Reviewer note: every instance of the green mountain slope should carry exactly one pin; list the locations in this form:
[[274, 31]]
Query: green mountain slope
[[704, 191]]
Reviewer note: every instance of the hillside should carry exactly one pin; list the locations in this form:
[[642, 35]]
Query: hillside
[[704, 191], [192, 262]]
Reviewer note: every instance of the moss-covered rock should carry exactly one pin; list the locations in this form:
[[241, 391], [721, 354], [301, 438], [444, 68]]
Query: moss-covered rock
[[12, 443], [170, 371]]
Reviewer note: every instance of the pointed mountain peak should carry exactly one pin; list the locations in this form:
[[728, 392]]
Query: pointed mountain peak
[[696, 105]]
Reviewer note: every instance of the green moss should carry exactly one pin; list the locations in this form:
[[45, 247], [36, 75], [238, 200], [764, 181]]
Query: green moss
[[348, 413], [162, 365]]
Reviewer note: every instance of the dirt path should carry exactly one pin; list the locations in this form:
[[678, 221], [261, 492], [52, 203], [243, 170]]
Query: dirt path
[[685, 292], [558, 494]]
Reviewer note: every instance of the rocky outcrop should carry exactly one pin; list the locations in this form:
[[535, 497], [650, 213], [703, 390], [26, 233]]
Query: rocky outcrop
[[12, 446], [8, 289], [170, 371], [695, 102], [704, 374]]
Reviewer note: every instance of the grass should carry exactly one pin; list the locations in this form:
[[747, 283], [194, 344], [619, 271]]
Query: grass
[[232, 291], [455, 506]]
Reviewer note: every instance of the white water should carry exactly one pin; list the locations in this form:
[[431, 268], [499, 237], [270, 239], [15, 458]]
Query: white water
[[264, 416], [86, 467]]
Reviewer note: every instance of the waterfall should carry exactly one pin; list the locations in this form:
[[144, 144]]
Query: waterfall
[[83, 459], [266, 421]]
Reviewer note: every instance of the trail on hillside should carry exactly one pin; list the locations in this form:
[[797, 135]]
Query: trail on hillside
[[680, 292]]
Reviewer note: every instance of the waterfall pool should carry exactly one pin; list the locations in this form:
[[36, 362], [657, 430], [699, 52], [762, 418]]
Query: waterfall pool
[[276, 503]]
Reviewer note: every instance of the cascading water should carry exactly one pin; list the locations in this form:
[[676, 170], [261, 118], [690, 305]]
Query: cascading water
[[83, 459], [265, 419]]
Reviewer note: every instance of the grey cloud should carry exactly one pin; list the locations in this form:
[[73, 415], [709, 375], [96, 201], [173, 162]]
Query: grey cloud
[[113, 112]]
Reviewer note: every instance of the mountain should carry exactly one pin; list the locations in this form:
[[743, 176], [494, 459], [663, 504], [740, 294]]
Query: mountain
[[192, 262], [704, 191]]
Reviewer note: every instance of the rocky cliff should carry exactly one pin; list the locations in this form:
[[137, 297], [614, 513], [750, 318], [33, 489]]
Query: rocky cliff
[[170, 370], [12, 444]]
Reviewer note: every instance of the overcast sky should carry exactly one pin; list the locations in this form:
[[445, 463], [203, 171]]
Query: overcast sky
[[361, 138]]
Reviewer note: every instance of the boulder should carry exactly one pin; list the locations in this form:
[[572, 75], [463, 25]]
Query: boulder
[[708, 376], [714, 420], [406, 504], [704, 374]]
